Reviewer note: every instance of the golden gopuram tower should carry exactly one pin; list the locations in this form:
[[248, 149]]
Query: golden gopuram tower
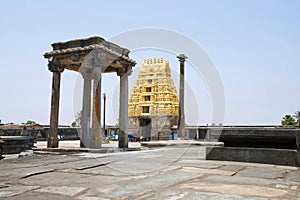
[[153, 103]]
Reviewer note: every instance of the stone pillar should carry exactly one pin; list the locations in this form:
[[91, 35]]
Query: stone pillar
[[87, 74], [123, 107], [56, 69], [181, 120], [95, 140], [104, 110]]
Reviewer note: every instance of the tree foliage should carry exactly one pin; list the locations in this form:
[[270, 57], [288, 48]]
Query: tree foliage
[[288, 120], [291, 120], [30, 122], [78, 118], [297, 117]]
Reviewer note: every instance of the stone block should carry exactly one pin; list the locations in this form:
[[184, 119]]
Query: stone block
[[256, 155], [298, 140]]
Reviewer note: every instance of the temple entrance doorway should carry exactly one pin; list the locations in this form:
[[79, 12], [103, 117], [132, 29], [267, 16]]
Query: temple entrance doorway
[[145, 128]]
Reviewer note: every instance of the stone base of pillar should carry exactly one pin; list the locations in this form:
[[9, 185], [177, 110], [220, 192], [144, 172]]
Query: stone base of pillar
[[81, 144], [123, 140], [52, 143], [84, 138], [95, 144]]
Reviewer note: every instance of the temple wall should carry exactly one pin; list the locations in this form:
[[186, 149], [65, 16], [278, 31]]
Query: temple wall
[[160, 127]]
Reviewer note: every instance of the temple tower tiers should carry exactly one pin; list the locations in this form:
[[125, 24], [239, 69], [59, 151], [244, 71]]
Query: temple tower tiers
[[153, 103]]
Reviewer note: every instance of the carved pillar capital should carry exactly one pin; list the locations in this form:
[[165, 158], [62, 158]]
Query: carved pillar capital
[[129, 71], [124, 70], [87, 73], [55, 66], [182, 58]]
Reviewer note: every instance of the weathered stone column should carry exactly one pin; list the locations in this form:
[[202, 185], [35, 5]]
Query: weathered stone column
[[123, 107], [181, 120], [104, 110], [95, 140], [56, 69], [87, 74]]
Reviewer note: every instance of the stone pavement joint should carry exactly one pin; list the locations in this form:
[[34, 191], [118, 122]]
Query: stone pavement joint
[[38, 173]]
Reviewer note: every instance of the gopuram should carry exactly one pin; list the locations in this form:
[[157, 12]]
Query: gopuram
[[153, 104], [91, 57]]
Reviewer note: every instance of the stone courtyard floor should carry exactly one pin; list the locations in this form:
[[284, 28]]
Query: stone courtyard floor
[[171, 172]]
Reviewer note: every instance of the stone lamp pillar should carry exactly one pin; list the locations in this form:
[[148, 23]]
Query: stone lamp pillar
[[181, 118]]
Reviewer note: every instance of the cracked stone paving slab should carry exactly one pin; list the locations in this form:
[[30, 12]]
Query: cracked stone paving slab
[[241, 190], [65, 190], [15, 190], [193, 195], [135, 187], [198, 164], [165, 173], [270, 173], [65, 179], [248, 180]]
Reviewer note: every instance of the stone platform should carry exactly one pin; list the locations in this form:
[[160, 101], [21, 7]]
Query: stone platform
[[172, 172], [288, 157], [16, 144], [164, 143]]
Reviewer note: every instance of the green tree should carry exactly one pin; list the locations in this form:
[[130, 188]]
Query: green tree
[[30, 122], [74, 124], [77, 122], [297, 117], [288, 120]]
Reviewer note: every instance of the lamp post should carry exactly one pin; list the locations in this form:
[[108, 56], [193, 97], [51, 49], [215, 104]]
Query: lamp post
[[104, 106], [181, 120]]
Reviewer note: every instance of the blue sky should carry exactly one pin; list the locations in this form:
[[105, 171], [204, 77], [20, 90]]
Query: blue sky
[[254, 45]]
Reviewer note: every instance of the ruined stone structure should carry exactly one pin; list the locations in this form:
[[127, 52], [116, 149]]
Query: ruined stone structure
[[91, 57], [153, 104]]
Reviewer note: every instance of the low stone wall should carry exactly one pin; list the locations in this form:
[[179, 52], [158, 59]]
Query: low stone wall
[[63, 133], [256, 155], [1, 148], [259, 155], [258, 137], [69, 133], [16, 144], [35, 133]]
